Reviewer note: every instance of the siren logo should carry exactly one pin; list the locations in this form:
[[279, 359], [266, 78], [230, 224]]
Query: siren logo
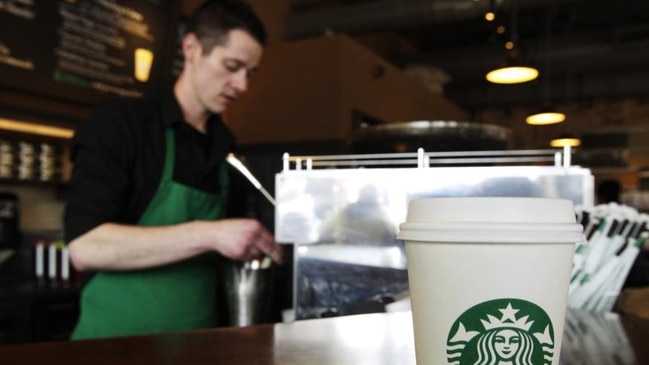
[[502, 332]]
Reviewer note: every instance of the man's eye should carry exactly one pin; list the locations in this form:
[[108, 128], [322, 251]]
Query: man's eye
[[233, 66]]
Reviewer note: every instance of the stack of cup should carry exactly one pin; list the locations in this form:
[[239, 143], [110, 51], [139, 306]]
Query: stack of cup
[[489, 278], [47, 162], [6, 159], [26, 160]]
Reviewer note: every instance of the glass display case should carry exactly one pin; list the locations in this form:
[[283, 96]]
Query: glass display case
[[343, 212]]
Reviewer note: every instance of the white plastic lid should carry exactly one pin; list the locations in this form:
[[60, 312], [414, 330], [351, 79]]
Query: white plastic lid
[[491, 219]]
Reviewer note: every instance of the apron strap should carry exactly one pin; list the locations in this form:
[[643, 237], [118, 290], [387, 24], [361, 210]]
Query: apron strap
[[170, 155]]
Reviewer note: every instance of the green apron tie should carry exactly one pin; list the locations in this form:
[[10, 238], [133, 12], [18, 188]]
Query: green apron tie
[[176, 297]]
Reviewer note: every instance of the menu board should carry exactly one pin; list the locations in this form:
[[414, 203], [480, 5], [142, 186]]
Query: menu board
[[85, 50]]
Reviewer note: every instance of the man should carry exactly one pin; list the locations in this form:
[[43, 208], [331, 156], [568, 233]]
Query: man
[[149, 187]]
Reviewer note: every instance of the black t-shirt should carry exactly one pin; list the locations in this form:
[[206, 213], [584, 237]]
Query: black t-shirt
[[118, 158]]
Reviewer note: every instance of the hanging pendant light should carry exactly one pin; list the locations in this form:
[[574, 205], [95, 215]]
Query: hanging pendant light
[[490, 15], [545, 116], [564, 140], [513, 70], [512, 74]]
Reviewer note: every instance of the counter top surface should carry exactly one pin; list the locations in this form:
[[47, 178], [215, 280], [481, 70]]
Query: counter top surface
[[372, 339]]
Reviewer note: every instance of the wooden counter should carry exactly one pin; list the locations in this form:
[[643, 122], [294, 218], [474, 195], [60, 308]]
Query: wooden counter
[[372, 339]]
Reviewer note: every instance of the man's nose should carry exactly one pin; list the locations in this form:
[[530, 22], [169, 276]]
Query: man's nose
[[240, 81]]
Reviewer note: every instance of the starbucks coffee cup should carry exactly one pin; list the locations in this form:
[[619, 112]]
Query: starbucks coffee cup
[[489, 278]]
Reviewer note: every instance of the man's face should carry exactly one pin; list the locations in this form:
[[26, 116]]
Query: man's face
[[219, 77]]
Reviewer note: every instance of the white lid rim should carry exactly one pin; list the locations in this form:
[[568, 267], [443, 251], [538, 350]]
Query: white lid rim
[[486, 236], [490, 226]]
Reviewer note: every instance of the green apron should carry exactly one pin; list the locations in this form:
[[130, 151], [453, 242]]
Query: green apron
[[176, 297]]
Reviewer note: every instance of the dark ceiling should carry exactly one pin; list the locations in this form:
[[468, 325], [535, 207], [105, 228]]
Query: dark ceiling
[[584, 49]]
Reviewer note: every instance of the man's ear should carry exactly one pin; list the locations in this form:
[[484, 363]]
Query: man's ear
[[192, 48]]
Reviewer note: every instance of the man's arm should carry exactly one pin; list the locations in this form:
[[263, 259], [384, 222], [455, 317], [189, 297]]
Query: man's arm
[[112, 246]]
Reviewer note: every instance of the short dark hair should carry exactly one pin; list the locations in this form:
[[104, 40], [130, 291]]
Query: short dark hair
[[214, 19]]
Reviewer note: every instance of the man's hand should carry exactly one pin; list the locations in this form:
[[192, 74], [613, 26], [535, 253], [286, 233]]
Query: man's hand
[[240, 239]]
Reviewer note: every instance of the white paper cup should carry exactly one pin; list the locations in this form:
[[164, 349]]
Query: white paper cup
[[489, 278]]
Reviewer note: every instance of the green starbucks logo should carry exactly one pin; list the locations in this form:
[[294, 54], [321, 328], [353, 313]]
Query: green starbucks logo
[[501, 332]]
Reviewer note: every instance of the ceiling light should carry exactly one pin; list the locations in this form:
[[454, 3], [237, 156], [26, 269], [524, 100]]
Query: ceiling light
[[513, 71], [33, 128], [512, 74], [565, 140], [545, 117], [490, 15]]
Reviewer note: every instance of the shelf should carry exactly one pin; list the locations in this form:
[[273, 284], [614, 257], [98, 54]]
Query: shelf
[[35, 183]]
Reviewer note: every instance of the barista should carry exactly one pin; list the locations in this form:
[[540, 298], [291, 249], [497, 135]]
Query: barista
[[148, 192]]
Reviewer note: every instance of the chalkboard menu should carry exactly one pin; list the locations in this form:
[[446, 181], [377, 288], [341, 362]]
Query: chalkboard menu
[[86, 50]]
